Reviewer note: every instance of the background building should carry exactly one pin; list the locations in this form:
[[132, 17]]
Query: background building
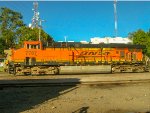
[[108, 40]]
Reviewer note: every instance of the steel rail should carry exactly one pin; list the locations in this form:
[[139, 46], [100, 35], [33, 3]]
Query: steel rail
[[29, 84]]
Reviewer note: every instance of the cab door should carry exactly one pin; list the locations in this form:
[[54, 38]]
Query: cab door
[[30, 61]]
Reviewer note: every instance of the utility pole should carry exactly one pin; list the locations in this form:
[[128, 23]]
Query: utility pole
[[40, 27], [115, 16], [65, 39]]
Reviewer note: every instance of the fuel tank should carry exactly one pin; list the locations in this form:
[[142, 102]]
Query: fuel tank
[[85, 69]]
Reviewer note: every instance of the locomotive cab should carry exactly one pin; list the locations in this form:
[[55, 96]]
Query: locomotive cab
[[31, 48], [33, 45]]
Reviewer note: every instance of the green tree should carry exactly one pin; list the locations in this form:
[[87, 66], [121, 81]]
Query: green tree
[[2, 46], [10, 21], [13, 31], [148, 43], [142, 38], [25, 33]]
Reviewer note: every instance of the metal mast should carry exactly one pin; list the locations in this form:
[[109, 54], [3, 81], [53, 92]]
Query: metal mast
[[115, 16], [35, 18]]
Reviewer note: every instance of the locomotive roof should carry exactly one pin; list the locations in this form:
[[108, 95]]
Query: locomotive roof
[[101, 45]]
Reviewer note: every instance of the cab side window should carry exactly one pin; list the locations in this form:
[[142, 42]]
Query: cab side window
[[33, 46]]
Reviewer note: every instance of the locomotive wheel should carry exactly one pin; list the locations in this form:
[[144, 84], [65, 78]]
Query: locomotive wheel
[[14, 71], [56, 71]]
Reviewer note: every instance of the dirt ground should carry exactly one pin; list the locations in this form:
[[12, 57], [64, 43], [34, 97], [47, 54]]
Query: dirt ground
[[98, 99], [106, 98], [127, 98]]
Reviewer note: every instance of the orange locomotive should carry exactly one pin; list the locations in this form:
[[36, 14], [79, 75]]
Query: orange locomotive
[[62, 57]]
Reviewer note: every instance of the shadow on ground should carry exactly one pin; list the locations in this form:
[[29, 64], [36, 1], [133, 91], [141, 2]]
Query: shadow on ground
[[15, 100], [81, 110], [124, 111]]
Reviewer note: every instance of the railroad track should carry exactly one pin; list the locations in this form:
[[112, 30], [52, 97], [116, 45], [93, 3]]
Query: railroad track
[[53, 84]]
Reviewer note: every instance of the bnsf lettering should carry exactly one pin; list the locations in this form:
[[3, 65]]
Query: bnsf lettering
[[90, 53], [31, 53], [84, 53]]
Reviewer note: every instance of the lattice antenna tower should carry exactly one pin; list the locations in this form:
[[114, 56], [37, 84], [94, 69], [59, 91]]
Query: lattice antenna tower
[[35, 18], [115, 16]]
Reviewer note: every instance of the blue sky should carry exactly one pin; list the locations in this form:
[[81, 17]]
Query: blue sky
[[83, 20]]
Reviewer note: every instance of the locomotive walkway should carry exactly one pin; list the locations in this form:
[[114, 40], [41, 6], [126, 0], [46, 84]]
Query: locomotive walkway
[[66, 80]]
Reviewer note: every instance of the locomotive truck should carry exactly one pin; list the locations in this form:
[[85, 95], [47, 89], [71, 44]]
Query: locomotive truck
[[36, 57]]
